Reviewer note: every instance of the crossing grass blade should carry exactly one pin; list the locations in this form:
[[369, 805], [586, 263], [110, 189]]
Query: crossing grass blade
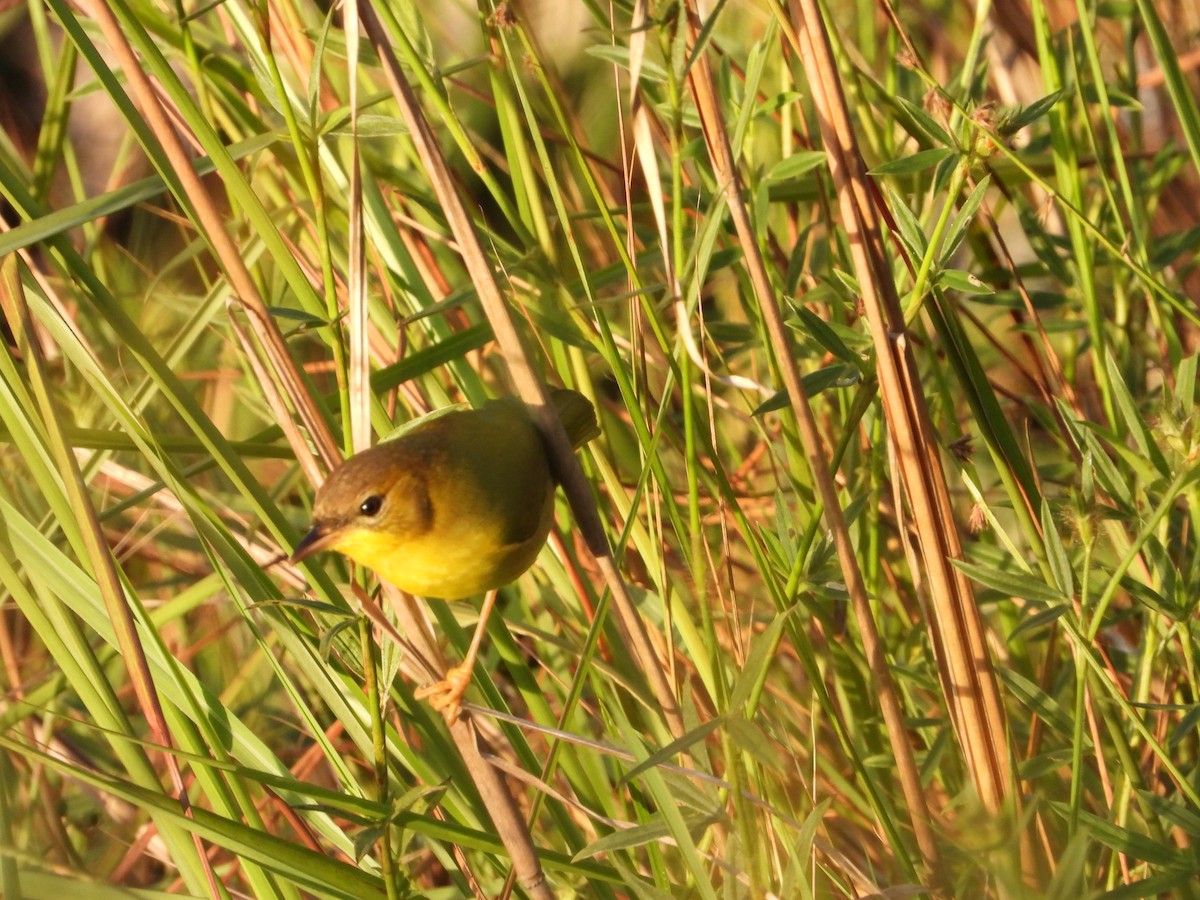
[[889, 318]]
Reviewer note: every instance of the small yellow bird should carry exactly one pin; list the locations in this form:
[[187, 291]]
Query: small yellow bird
[[458, 506]]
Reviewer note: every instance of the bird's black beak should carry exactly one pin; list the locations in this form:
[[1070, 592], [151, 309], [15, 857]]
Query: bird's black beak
[[318, 539]]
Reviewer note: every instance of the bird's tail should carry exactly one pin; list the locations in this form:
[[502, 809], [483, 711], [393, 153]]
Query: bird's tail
[[577, 414]]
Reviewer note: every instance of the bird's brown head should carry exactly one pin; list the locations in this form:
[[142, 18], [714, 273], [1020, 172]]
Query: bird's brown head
[[372, 503]]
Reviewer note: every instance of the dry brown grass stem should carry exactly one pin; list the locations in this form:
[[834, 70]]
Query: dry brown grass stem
[[969, 682], [274, 399], [357, 321], [721, 155]]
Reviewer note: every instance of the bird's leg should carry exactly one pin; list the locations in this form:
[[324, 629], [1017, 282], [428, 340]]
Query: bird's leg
[[446, 695]]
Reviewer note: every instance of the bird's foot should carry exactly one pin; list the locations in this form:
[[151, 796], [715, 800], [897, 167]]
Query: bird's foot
[[446, 695]]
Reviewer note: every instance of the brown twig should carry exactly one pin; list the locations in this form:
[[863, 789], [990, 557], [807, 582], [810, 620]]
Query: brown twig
[[969, 682]]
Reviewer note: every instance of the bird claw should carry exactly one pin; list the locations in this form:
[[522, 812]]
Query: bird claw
[[446, 695]]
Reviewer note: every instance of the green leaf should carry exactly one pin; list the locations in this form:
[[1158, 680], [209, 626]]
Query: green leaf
[[366, 839], [1010, 584], [656, 829], [910, 229], [313, 88], [1107, 473], [673, 749], [1042, 764], [35, 885], [1124, 840], [1150, 598], [1040, 703], [1185, 384], [297, 315], [964, 282], [370, 126], [751, 739], [427, 359], [650, 70], [1134, 422], [839, 375], [918, 162], [848, 282], [1039, 619], [1096, 458], [923, 126], [794, 166], [1154, 886], [1056, 554], [1186, 726], [818, 329], [330, 635], [777, 102], [1116, 98], [1168, 248], [760, 657], [957, 229], [1183, 97], [1071, 869], [1174, 811], [1013, 120]]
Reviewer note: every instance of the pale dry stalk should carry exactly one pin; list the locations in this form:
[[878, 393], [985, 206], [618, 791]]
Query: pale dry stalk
[[968, 679]]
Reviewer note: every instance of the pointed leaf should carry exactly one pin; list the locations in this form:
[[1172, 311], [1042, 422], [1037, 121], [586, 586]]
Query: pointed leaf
[[1056, 554], [795, 166], [1138, 429], [1010, 583], [917, 162]]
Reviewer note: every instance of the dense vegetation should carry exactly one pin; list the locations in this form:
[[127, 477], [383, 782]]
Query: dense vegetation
[[883, 573]]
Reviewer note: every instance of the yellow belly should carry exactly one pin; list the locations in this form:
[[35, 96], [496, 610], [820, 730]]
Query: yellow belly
[[443, 564]]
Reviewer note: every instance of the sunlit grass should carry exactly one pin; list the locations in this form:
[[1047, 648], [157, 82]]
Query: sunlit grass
[[190, 347]]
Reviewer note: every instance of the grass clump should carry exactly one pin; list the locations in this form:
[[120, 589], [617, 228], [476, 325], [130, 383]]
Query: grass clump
[[880, 578]]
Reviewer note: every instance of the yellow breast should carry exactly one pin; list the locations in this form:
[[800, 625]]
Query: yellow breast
[[449, 564]]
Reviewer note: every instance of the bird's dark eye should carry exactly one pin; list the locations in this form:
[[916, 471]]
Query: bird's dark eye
[[371, 505]]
